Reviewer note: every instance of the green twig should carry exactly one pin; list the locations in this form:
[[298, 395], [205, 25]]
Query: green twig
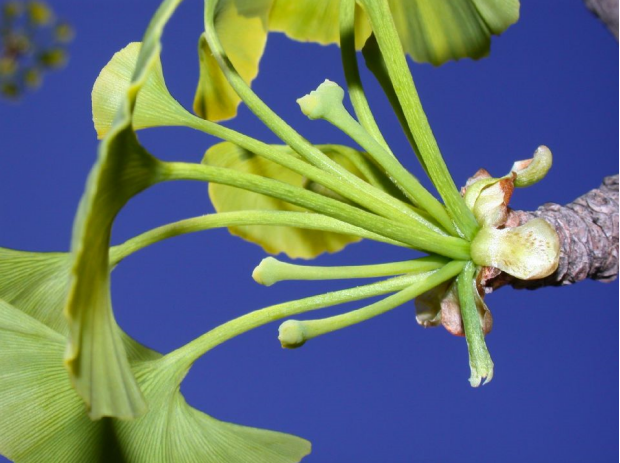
[[185, 356], [417, 236], [352, 75], [271, 271], [241, 218], [480, 361], [389, 43], [294, 333]]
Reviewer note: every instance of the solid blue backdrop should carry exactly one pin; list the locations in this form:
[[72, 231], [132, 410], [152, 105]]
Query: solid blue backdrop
[[385, 390]]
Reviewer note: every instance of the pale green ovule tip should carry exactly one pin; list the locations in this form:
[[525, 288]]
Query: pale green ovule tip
[[292, 334], [308, 103], [320, 102], [265, 273]]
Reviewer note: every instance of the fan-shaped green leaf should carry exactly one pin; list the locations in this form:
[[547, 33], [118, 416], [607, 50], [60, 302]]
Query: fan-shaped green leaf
[[430, 31], [154, 106], [437, 32], [43, 419], [95, 356]]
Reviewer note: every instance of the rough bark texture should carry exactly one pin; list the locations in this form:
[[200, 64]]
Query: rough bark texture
[[607, 11], [588, 231]]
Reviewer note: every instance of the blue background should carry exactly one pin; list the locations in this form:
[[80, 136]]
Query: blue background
[[385, 390]]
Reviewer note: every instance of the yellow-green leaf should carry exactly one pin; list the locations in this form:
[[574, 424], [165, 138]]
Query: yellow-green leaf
[[95, 356], [296, 243], [430, 31], [43, 418], [37, 284], [437, 32], [314, 21], [174, 431], [498, 15], [155, 106], [242, 28]]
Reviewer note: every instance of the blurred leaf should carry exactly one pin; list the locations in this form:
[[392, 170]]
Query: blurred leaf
[[437, 32], [63, 32], [314, 21], [11, 10], [8, 66], [10, 90], [30, 45], [32, 78], [54, 58], [39, 13]]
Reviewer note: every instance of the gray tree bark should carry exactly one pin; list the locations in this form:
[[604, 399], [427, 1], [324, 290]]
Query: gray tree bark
[[587, 227], [588, 231], [607, 11]]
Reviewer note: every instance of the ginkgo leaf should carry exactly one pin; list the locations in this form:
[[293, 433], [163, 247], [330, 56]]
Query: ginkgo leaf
[[174, 431], [95, 357], [437, 32], [43, 418], [37, 283], [295, 242], [432, 32], [314, 21], [155, 106], [241, 26]]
